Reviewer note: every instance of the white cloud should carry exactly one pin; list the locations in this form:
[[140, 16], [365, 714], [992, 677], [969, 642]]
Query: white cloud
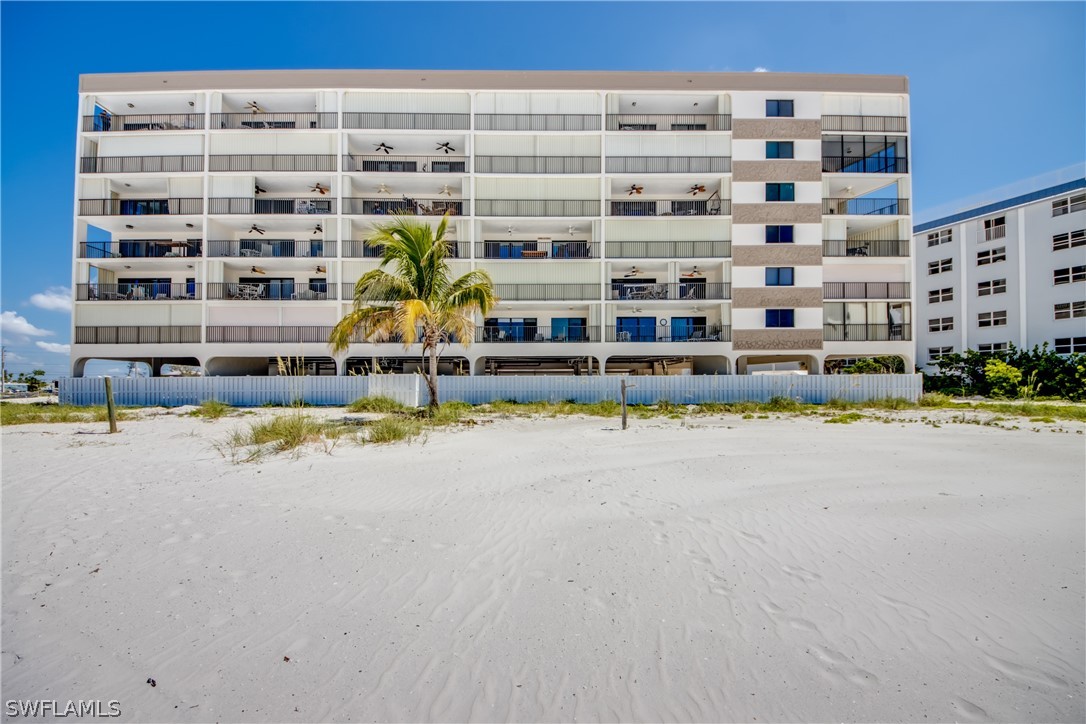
[[55, 299], [760, 69], [12, 325], [14, 357], [54, 347]]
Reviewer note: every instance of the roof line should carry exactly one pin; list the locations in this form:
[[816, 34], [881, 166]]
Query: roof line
[[1001, 205]]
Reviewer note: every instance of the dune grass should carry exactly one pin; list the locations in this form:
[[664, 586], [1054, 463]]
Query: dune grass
[[379, 403], [845, 418], [212, 410], [17, 414], [393, 429]]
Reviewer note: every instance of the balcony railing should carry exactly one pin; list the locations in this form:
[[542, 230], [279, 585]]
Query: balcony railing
[[635, 291], [547, 292], [139, 207], [865, 290], [381, 163], [276, 248], [865, 207], [992, 233], [874, 247], [255, 292], [537, 164], [669, 164], [273, 121], [546, 249], [537, 122], [864, 124], [358, 249], [225, 334], [144, 122], [691, 333], [140, 164], [870, 164], [408, 121], [411, 207], [671, 207], [139, 249], [528, 334], [138, 335], [668, 249], [249, 205], [273, 162], [867, 332], [669, 122], [537, 207], [144, 291]]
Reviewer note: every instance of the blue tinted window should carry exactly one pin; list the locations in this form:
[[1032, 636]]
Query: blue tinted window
[[780, 318], [779, 149], [778, 234], [780, 192], [779, 276], [778, 108]]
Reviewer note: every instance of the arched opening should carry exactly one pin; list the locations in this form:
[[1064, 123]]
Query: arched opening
[[446, 365], [529, 366], [777, 364], [879, 365]]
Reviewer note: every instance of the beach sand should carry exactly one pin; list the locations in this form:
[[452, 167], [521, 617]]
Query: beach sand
[[712, 569]]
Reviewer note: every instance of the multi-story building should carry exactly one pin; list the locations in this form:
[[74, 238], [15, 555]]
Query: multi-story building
[[1011, 272], [667, 223]]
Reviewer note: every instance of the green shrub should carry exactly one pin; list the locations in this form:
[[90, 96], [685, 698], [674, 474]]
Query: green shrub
[[393, 429], [379, 403], [1002, 378]]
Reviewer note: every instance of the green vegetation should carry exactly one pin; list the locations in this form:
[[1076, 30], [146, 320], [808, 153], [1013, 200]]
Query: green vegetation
[[16, 414], [1046, 374], [1002, 379], [393, 429], [379, 403], [845, 418], [212, 410]]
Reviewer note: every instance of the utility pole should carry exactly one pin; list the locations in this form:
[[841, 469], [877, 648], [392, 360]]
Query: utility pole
[[3, 365]]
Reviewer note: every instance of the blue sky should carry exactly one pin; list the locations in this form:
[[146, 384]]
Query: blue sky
[[998, 89]]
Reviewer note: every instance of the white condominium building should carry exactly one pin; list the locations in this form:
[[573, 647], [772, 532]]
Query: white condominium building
[[1011, 272], [633, 223]]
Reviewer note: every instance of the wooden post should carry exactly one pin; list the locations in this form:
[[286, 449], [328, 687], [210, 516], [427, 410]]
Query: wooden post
[[623, 404], [110, 409]]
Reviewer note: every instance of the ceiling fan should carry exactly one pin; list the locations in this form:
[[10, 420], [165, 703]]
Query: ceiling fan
[[509, 230], [571, 230], [694, 273], [635, 189], [383, 189], [634, 271], [253, 107], [321, 269], [445, 190], [695, 309], [257, 270], [446, 147], [317, 188], [696, 189], [383, 147], [318, 229], [257, 229], [259, 190]]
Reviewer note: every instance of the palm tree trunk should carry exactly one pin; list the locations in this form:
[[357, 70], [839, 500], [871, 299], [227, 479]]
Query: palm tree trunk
[[431, 378]]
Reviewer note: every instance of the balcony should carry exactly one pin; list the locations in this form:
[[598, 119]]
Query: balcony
[[275, 248], [669, 164], [547, 292], [643, 291], [537, 164], [140, 164], [267, 335], [540, 249], [992, 233], [872, 248], [668, 249], [273, 121], [273, 162], [140, 249], [277, 291], [537, 207], [865, 290], [537, 122], [687, 333], [405, 164], [867, 332], [865, 207], [864, 124], [411, 207], [250, 205], [140, 207], [359, 249], [138, 335], [671, 207], [870, 164], [529, 334], [669, 122], [104, 122], [408, 121], [150, 291]]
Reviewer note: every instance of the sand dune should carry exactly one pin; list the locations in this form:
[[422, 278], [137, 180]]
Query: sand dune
[[551, 570]]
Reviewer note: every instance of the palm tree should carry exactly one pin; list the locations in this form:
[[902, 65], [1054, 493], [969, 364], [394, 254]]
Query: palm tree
[[416, 300]]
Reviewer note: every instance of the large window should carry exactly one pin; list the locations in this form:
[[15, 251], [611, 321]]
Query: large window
[[1067, 345], [864, 154], [1069, 310], [938, 267], [779, 234], [936, 238], [941, 295], [992, 256], [779, 149], [779, 109], [937, 353], [991, 347], [992, 319], [569, 329], [995, 228], [1069, 205], [780, 192], [779, 276], [780, 318], [941, 324], [689, 328], [1069, 275], [635, 329], [1069, 240], [508, 329], [996, 286], [269, 287]]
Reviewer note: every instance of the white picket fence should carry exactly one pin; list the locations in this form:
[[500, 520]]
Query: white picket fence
[[411, 389]]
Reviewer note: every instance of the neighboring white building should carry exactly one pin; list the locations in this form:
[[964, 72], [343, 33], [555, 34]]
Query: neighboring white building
[[668, 223], [1011, 272]]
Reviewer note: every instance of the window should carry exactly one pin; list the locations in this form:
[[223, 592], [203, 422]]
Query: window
[[1069, 275], [779, 276], [936, 238], [780, 192], [992, 319], [510, 329], [1069, 241], [1070, 310], [567, 329], [938, 267], [780, 318], [635, 329], [1067, 206], [941, 295], [779, 149], [937, 353], [941, 324], [991, 256], [995, 228], [993, 347], [996, 286], [779, 109], [1067, 345], [779, 234]]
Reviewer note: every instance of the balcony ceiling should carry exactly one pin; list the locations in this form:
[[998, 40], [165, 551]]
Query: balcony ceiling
[[131, 186], [520, 310], [555, 228], [667, 104], [670, 188], [419, 186], [145, 227], [846, 187], [859, 224], [295, 227], [362, 143], [173, 103], [295, 185], [159, 267], [270, 102], [361, 229], [242, 266]]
